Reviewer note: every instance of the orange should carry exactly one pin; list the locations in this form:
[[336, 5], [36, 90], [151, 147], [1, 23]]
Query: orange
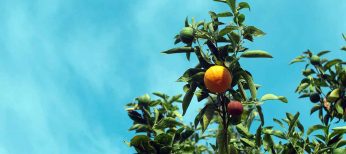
[[217, 79]]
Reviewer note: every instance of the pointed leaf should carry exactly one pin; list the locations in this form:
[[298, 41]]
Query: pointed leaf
[[340, 130], [315, 108], [188, 97], [243, 5], [259, 110], [178, 50], [323, 53], [255, 54], [227, 30], [224, 14], [250, 83], [275, 133], [293, 122], [274, 97], [207, 116], [243, 130], [314, 128], [248, 142]]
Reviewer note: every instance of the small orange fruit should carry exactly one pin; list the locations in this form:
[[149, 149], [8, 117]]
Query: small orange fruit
[[217, 79]]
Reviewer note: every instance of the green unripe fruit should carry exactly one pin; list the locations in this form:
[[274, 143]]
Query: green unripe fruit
[[315, 60], [315, 97], [186, 35]]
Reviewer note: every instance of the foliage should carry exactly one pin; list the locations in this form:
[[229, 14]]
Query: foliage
[[215, 43], [160, 127]]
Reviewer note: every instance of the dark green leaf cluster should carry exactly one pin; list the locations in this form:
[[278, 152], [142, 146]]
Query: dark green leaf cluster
[[159, 127], [324, 83]]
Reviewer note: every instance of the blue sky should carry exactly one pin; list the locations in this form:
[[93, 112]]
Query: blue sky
[[67, 68]]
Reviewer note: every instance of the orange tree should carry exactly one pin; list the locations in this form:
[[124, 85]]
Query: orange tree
[[231, 98]]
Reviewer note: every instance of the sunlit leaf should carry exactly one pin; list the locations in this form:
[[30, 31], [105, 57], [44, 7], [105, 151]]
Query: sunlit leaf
[[243, 5], [255, 54], [274, 97], [314, 128]]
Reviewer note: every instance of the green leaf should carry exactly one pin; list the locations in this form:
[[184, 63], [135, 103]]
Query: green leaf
[[243, 130], [224, 14], [341, 143], [338, 106], [293, 122], [139, 140], [340, 130], [136, 117], [207, 116], [241, 19], [323, 53], [314, 128], [279, 122], [188, 97], [248, 142], [203, 60], [201, 95], [178, 50], [168, 122], [232, 5], [188, 74], [223, 1], [234, 37], [273, 97], [243, 5], [268, 142], [252, 30], [275, 133], [164, 139], [186, 134], [315, 108], [343, 48], [334, 95], [301, 87], [161, 95], [175, 98], [199, 116], [139, 128], [250, 83], [335, 139], [157, 113], [227, 30], [259, 110], [258, 136], [186, 22], [296, 61], [255, 54], [331, 63]]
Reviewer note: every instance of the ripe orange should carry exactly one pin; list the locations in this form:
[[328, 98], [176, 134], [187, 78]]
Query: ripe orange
[[217, 79]]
